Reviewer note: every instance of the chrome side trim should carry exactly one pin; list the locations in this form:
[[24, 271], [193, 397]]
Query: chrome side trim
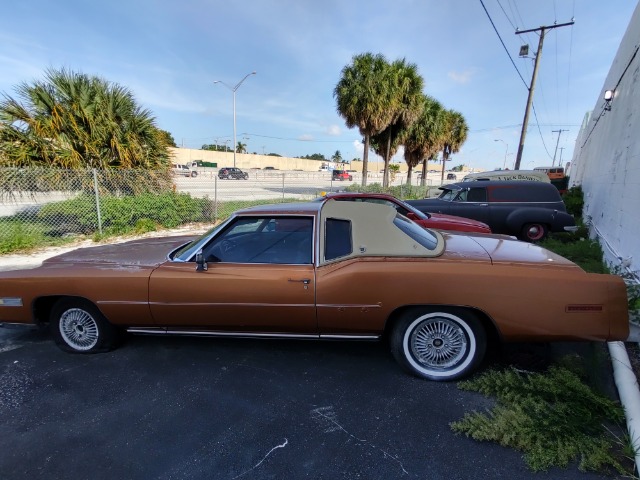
[[332, 305], [10, 302], [119, 302], [207, 333], [350, 337]]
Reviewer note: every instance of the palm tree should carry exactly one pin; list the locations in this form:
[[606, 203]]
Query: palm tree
[[363, 99], [455, 134], [406, 93], [241, 147], [72, 120], [424, 138], [337, 157]]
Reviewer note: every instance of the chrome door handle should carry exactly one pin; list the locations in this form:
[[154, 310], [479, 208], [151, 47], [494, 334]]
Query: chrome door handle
[[306, 281]]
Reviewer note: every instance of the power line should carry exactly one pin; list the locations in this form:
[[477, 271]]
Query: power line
[[503, 45]]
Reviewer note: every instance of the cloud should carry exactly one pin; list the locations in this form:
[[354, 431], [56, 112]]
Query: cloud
[[306, 137], [358, 146], [333, 130], [462, 77]]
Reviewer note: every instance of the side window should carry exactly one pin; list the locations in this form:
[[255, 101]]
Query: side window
[[477, 195], [277, 240], [337, 241]]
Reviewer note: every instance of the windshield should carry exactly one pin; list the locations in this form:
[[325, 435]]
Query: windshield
[[186, 252], [448, 195]]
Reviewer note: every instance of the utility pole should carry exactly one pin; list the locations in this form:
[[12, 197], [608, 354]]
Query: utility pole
[[560, 161], [559, 132], [525, 122]]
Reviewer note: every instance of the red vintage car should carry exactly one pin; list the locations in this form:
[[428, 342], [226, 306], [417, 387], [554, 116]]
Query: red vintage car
[[426, 220]]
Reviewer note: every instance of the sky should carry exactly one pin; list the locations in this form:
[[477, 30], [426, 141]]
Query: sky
[[169, 54]]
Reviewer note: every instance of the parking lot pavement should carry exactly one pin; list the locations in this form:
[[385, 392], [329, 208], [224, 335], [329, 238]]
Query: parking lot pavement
[[194, 408]]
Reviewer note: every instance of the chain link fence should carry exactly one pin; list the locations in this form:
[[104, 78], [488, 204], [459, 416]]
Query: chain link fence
[[52, 206]]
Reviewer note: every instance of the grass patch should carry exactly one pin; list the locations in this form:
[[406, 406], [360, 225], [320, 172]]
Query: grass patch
[[585, 252], [554, 418]]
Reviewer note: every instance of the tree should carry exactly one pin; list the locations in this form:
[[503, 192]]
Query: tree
[[454, 135], [241, 147], [405, 90], [72, 120], [215, 147], [425, 137], [168, 138], [337, 157], [363, 100], [315, 156]]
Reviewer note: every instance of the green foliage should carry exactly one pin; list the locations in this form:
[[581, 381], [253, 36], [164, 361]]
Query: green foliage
[[585, 252], [554, 418], [217, 148], [574, 201], [315, 156], [126, 214], [403, 192], [73, 120], [14, 236], [168, 138]]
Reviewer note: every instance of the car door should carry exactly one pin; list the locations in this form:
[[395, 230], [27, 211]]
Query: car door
[[260, 278], [472, 203]]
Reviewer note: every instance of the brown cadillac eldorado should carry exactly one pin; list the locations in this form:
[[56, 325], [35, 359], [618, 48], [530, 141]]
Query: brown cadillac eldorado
[[324, 270]]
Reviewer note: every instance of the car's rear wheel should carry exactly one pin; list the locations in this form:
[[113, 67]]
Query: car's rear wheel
[[194, 174], [438, 344], [79, 327], [533, 232]]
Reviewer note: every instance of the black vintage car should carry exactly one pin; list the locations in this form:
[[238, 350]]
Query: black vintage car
[[525, 209], [230, 173]]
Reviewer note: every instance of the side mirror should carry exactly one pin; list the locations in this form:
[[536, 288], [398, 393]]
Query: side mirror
[[201, 265]]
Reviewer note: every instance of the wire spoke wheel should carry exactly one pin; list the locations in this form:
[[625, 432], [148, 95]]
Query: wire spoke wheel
[[438, 343], [79, 329], [441, 344], [78, 326]]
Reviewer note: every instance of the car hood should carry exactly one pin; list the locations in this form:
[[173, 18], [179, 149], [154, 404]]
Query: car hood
[[500, 249], [441, 220], [147, 252]]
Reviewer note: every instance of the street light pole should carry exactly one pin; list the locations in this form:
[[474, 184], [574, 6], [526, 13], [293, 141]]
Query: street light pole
[[504, 164], [234, 89]]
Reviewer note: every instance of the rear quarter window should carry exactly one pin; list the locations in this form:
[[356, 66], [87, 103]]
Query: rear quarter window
[[337, 242]]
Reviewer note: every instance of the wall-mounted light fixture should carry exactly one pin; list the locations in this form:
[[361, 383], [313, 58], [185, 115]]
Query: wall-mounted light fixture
[[608, 96]]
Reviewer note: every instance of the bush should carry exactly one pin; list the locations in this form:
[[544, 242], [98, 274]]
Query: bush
[[124, 214], [574, 201], [404, 192]]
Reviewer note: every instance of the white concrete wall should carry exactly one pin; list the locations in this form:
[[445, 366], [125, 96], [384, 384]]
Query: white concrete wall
[[606, 160]]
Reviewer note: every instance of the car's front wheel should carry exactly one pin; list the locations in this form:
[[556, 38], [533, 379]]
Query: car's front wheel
[[79, 327], [438, 344], [533, 232]]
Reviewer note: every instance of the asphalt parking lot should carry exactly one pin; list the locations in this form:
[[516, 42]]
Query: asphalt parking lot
[[195, 408]]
